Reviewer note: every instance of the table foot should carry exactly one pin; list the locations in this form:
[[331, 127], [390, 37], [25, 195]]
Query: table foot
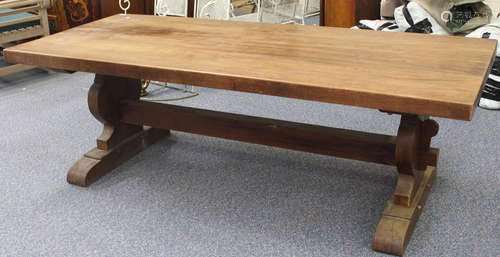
[[396, 226], [97, 163]]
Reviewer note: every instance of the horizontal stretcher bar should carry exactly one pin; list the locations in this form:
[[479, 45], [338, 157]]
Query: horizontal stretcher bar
[[342, 143]]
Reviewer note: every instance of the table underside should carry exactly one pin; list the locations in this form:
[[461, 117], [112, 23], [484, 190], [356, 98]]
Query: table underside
[[131, 125]]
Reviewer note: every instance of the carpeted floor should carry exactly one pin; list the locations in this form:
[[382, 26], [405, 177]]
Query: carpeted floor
[[191, 195]]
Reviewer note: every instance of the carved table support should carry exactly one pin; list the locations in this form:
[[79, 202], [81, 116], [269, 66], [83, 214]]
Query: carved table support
[[115, 102], [118, 141], [416, 163]]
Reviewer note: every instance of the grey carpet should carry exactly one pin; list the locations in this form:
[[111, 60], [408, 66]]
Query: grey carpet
[[191, 195]]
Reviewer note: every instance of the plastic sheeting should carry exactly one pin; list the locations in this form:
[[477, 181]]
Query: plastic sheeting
[[458, 15], [380, 25], [412, 17], [491, 90], [491, 31], [387, 7]]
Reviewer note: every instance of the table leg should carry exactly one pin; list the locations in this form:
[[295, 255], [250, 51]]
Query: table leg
[[118, 141], [115, 102], [416, 163]]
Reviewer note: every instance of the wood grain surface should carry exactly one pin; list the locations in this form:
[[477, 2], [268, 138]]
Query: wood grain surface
[[398, 72], [338, 13], [345, 14], [342, 143]]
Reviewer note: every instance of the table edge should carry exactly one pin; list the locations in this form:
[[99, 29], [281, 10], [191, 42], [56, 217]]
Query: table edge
[[409, 105]]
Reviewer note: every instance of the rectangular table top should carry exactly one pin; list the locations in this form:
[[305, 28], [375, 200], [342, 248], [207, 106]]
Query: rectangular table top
[[399, 72]]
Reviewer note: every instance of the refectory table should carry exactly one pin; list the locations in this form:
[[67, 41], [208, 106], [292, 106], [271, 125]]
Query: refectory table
[[414, 75]]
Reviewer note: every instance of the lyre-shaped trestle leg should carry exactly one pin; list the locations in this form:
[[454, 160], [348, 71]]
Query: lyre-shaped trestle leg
[[118, 141], [416, 163]]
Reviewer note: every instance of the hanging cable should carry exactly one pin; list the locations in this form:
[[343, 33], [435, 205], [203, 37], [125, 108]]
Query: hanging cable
[[146, 84]]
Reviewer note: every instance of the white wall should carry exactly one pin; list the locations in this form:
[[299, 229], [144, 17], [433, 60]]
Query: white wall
[[495, 6]]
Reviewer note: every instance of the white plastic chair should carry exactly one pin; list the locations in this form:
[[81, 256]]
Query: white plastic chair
[[307, 8], [223, 10], [171, 7], [278, 11]]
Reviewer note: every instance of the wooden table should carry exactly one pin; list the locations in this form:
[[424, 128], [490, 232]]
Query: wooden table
[[415, 75]]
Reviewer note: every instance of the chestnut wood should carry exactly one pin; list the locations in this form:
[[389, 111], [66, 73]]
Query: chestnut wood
[[322, 12], [97, 163], [104, 96], [346, 13], [338, 13], [118, 141], [190, 10], [408, 141], [398, 222], [412, 149], [367, 9], [343, 143], [327, 64]]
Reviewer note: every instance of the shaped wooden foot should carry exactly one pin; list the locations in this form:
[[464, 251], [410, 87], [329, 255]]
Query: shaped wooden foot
[[118, 141], [97, 163], [416, 163], [396, 226]]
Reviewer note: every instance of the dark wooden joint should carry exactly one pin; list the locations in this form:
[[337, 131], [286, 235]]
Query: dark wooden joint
[[118, 141], [416, 162], [413, 154], [104, 102]]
